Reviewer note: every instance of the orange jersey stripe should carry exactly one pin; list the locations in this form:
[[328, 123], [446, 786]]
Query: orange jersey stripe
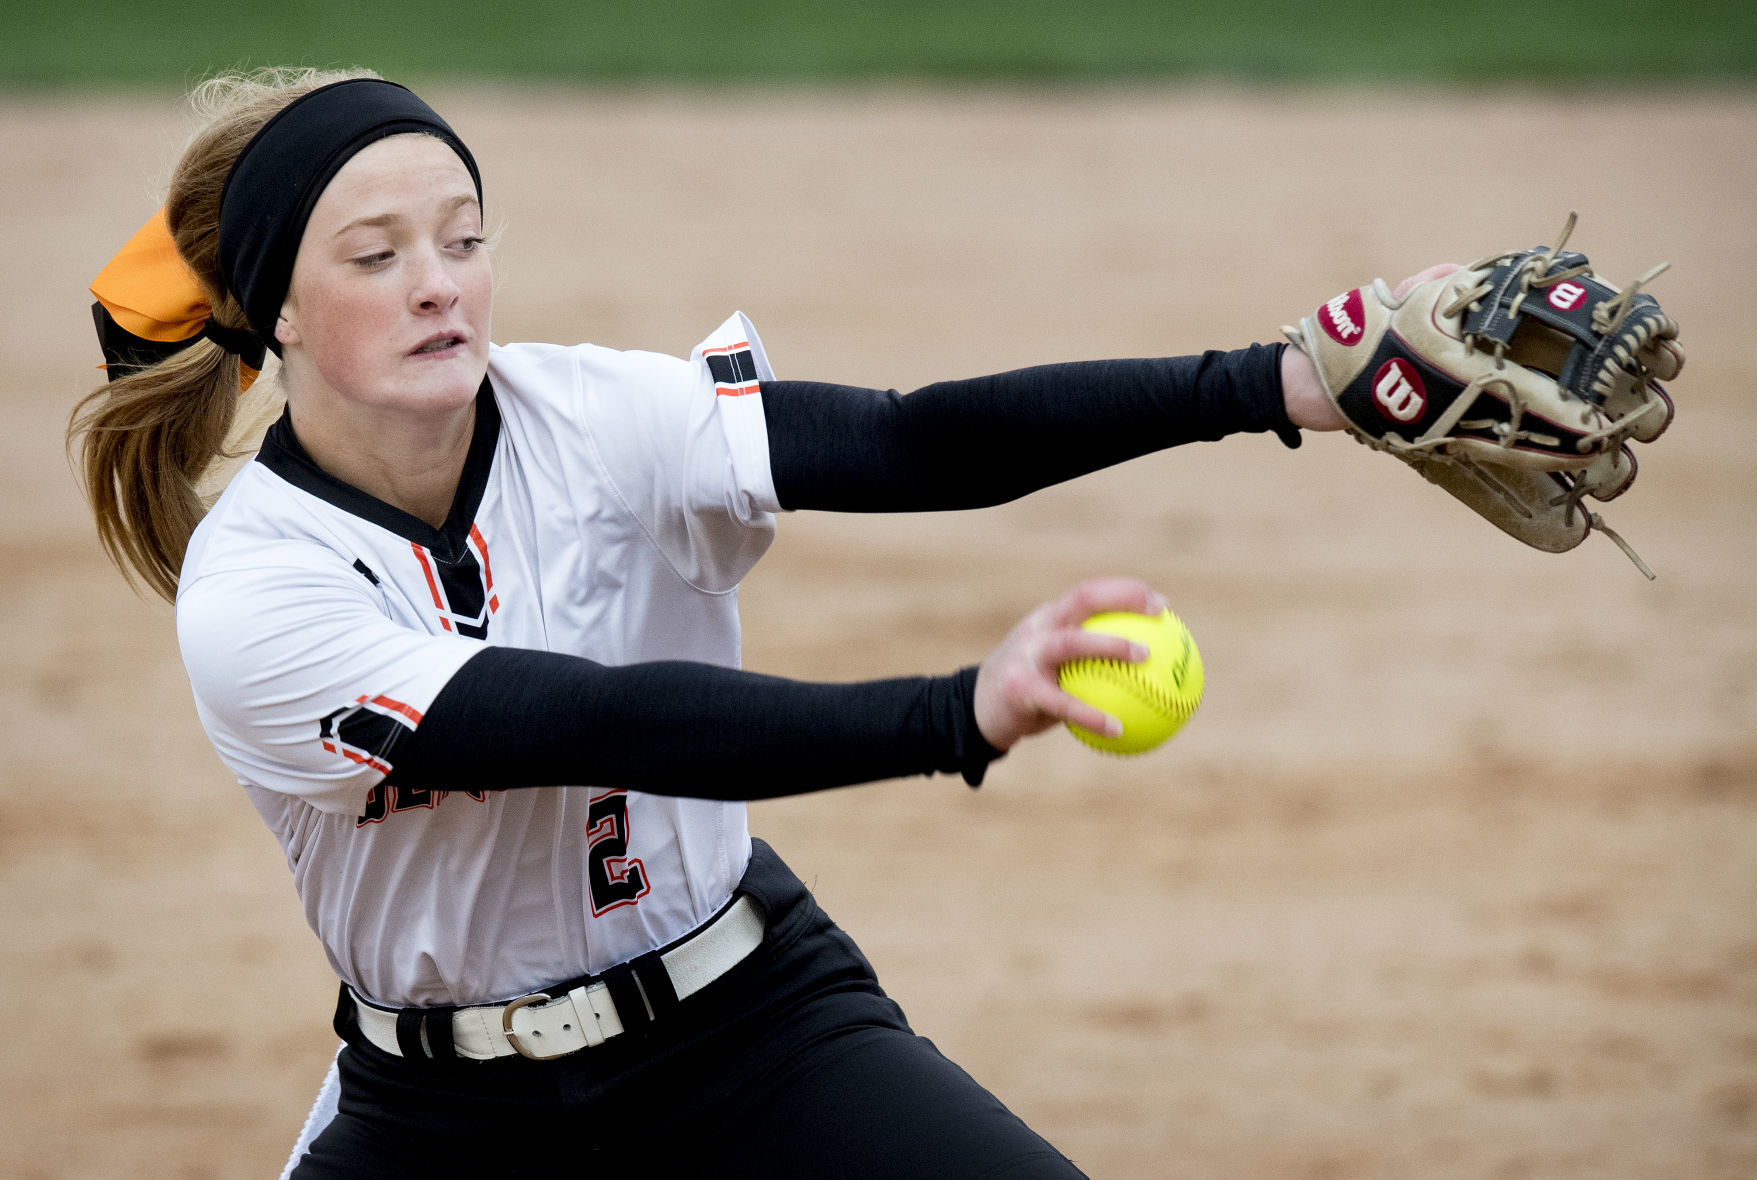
[[427, 568], [482, 548]]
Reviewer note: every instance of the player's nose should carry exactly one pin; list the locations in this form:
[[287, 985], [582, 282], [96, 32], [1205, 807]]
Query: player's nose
[[431, 284]]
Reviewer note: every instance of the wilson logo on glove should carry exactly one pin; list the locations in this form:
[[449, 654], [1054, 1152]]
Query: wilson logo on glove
[[1342, 318], [1399, 392], [1566, 296]]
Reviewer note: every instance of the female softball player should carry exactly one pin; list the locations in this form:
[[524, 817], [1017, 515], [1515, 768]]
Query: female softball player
[[457, 576]]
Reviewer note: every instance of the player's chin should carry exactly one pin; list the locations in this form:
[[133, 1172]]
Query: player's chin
[[455, 373], [434, 395]]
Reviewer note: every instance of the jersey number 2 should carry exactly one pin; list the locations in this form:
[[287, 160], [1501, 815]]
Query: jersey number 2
[[616, 878]]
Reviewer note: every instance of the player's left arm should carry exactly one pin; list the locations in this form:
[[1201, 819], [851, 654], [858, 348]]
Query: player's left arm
[[988, 440], [971, 444], [1308, 406]]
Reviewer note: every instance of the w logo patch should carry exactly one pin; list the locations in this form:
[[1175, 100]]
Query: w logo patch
[[463, 590]]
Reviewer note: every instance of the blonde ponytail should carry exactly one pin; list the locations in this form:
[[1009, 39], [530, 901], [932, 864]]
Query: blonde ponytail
[[150, 444]]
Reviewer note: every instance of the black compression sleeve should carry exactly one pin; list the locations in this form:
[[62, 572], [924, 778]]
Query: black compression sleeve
[[516, 718], [970, 444]]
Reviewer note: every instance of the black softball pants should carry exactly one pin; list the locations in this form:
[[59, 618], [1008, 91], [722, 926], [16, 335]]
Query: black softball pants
[[794, 1064]]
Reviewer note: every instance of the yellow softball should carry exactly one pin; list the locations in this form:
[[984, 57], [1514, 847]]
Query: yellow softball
[[1152, 699]]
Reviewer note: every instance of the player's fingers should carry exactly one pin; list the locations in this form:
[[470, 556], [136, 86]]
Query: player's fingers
[[1060, 706], [1068, 644], [1097, 595], [1437, 271]]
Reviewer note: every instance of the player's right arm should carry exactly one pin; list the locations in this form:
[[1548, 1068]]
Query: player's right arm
[[512, 717], [302, 681], [307, 688]]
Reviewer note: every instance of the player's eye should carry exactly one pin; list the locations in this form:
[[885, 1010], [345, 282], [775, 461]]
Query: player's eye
[[471, 244], [368, 261]]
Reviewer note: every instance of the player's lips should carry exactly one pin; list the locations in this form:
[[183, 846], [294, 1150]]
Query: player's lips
[[439, 345]]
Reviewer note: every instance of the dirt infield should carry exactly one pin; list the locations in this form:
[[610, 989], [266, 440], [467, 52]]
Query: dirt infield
[[1452, 876]]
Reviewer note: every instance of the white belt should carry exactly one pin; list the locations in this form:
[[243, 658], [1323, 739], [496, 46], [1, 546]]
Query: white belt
[[541, 1026]]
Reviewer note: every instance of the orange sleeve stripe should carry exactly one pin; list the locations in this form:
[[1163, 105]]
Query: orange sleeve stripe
[[397, 706], [363, 760], [355, 756]]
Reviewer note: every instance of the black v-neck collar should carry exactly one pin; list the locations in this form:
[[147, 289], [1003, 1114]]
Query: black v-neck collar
[[283, 454]]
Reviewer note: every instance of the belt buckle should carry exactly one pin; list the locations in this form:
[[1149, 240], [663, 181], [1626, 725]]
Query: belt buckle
[[512, 1038]]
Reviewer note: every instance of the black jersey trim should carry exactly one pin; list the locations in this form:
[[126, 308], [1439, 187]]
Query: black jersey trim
[[283, 454]]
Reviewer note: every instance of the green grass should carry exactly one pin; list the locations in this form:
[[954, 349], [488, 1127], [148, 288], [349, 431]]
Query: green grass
[[702, 42]]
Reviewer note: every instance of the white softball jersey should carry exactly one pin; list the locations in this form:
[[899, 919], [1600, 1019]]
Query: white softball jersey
[[622, 496]]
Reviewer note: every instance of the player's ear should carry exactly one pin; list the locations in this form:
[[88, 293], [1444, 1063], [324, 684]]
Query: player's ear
[[285, 333]]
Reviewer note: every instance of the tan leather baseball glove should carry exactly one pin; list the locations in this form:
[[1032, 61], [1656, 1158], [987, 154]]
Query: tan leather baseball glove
[[1515, 384]]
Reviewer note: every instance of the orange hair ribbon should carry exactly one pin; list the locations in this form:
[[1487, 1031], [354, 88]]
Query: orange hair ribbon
[[151, 293]]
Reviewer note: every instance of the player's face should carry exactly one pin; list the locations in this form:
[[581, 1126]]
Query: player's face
[[390, 301]]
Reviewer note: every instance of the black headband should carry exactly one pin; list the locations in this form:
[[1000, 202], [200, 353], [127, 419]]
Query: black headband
[[277, 178]]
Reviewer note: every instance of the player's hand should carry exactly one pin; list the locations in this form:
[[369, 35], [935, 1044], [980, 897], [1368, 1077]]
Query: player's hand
[[1016, 690], [1308, 406]]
